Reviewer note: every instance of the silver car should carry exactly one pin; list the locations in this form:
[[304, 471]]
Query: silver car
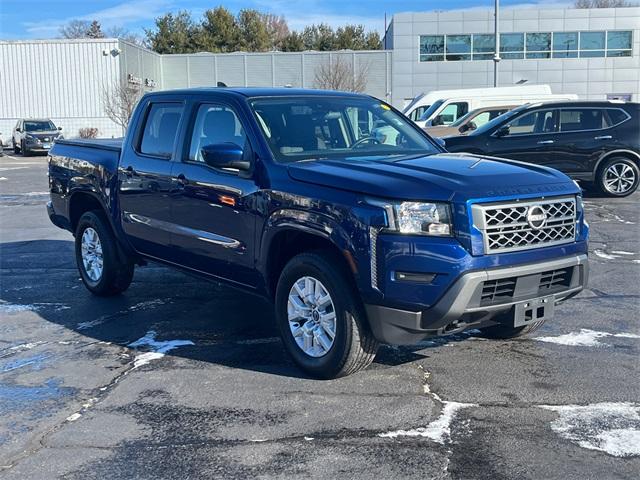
[[34, 135]]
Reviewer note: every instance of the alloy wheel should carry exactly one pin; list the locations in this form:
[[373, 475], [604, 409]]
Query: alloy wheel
[[312, 316], [91, 250], [619, 178]]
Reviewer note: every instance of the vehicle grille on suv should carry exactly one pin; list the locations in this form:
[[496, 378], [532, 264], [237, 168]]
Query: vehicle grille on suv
[[524, 225]]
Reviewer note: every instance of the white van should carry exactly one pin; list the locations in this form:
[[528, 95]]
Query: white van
[[443, 107]]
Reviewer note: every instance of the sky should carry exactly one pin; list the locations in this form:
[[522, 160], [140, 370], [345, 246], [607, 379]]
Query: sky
[[27, 19]]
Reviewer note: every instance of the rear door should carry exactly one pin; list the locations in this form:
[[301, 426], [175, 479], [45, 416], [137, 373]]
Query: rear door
[[145, 182], [584, 137], [531, 138], [214, 211]]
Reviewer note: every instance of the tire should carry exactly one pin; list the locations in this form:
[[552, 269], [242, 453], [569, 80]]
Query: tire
[[116, 270], [503, 332], [353, 347], [23, 149], [16, 149], [618, 177]]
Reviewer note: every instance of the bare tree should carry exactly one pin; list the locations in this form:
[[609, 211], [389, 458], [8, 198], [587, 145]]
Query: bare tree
[[119, 101], [603, 4], [124, 34], [339, 74], [75, 29]]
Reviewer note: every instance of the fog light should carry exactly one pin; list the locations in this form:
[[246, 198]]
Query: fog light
[[414, 277]]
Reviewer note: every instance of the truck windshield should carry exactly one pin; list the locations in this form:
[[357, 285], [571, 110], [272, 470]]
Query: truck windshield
[[39, 125], [303, 128]]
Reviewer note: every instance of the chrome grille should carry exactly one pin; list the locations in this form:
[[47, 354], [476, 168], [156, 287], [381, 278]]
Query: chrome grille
[[517, 226]]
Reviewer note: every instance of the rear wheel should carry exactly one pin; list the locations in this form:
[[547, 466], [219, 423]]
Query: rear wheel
[[16, 149], [23, 149], [321, 318], [103, 268], [618, 177]]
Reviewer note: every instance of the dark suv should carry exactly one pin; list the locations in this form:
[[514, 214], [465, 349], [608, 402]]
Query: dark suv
[[596, 142]]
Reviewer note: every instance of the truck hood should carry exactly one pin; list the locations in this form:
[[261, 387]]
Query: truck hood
[[440, 177]]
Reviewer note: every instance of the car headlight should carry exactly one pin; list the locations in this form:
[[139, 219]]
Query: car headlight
[[420, 218]]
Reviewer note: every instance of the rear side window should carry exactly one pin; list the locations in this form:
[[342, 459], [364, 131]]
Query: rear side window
[[575, 119], [616, 116], [161, 129]]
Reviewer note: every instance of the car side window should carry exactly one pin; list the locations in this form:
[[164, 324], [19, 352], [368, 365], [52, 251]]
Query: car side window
[[615, 116], [161, 129], [540, 121], [453, 111], [481, 118], [576, 119], [215, 124]]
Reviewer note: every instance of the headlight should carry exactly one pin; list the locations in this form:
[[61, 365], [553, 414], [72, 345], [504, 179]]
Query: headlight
[[423, 218]]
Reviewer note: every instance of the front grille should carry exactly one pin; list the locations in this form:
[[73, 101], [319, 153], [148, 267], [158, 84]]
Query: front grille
[[524, 225], [513, 289], [497, 291]]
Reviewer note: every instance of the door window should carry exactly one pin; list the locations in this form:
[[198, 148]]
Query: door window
[[540, 121], [417, 113], [161, 129], [481, 119], [576, 119], [215, 124], [452, 112]]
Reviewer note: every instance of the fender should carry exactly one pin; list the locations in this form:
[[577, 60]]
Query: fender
[[312, 223]]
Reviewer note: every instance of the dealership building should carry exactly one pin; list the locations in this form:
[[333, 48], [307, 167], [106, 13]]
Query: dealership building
[[594, 53]]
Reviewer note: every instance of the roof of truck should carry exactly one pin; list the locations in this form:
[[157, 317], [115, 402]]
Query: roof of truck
[[258, 91]]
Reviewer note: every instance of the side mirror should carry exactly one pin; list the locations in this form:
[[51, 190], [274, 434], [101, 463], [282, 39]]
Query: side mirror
[[502, 131], [471, 126], [437, 121], [225, 155], [60, 128], [19, 130]]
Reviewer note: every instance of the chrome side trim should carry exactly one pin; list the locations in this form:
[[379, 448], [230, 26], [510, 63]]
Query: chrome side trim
[[201, 235]]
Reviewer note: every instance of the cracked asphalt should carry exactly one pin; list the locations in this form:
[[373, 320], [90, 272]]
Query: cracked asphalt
[[77, 402]]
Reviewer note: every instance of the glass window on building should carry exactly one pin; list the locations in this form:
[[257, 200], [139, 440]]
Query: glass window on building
[[592, 44], [512, 45], [483, 47], [538, 45], [565, 45], [619, 44], [431, 48], [458, 47]]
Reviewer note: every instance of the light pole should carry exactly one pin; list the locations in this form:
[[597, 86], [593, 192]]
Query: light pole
[[496, 55]]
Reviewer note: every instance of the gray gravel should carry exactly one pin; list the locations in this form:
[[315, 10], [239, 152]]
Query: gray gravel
[[232, 405]]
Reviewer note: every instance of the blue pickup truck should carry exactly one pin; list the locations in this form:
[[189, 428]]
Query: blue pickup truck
[[357, 240]]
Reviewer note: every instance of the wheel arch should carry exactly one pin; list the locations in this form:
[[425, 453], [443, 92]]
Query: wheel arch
[[630, 154], [289, 233]]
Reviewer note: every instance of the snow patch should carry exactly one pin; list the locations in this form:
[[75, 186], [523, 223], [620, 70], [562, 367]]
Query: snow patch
[[158, 348], [621, 252], [439, 430], [584, 338], [6, 307], [74, 417], [3, 178], [613, 428], [602, 254]]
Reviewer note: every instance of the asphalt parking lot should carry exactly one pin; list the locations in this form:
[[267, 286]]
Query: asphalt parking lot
[[180, 378]]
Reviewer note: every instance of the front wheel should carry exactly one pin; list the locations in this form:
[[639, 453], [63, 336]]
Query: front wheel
[[102, 267], [618, 177], [321, 318]]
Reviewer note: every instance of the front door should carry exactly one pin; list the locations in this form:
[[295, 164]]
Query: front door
[[531, 137], [145, 181], [213, 210]]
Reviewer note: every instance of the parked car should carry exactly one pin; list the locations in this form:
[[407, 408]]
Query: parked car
[[443, 107], [280, 192], [1, 145], [469, 122], [596, 142], [34, 135]]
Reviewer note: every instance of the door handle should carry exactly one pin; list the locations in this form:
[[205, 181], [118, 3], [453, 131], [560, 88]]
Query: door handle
[[129, 171], [182, 180], [603, 137], [545, 142]]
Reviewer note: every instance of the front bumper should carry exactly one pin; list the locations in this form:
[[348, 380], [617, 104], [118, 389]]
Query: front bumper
[[469, 301]]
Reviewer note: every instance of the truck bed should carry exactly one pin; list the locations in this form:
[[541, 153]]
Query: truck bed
[[101, 143]]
